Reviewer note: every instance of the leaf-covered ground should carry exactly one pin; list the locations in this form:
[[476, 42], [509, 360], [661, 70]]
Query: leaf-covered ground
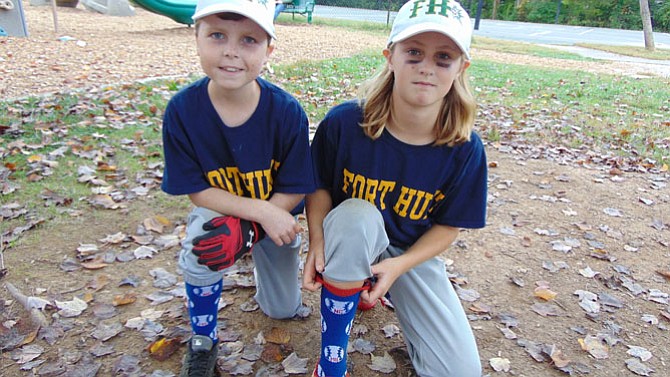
[[570, 276]]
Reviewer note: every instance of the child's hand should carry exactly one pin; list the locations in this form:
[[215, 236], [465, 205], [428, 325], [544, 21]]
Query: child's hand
[[313, 266], [281, 226], [227, 240], [386, 272]]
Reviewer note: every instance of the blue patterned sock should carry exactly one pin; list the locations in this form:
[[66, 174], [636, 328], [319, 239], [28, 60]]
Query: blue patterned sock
[[338, 309], [203, 305]]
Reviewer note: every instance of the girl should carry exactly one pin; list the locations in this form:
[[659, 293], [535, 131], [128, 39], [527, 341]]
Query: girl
[[398, 173]]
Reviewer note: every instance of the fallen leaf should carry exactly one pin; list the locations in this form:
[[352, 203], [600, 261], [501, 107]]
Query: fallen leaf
[[500, 364], [125, 299], [104, 311], [126, 365], [390, 330], [480, 308], [640, 352], [27, 353], [101, 349], [252, 352], [107, 330], [508, 333], [546, 310], [636, 366], [383, 364], [594, 346], [72, 308], [94, 264], [98, 282], [163, 348], [294, 365], [155, 224], [278, 335], [544, 293], [144, 252], [361, 345], [557, 357]]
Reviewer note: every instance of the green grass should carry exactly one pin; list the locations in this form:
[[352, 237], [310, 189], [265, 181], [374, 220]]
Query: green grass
[[618, 115], [375, 27], [120, 127], [115, 133], [639, 52], [320, 85]]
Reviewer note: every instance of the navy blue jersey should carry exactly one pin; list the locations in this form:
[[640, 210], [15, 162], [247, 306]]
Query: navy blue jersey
[[413, 186], [268, 153]]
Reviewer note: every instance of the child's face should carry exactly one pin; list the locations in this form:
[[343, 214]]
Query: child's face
[[425, 67], [232, 53]]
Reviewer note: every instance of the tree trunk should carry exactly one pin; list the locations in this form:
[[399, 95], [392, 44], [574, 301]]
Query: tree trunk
[[646, 26], [494, 12]]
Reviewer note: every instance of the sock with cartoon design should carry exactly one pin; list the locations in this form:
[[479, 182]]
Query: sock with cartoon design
[[203, 305], [338, 309]]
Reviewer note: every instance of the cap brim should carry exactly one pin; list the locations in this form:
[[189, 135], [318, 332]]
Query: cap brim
[[232, 8], [425, 28]]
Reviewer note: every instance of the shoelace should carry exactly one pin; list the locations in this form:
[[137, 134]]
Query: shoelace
[[199, 366]]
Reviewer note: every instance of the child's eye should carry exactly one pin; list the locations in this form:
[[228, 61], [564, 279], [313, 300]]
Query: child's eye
[[249, 40], [217, 35], [443, 59], [413, 52]]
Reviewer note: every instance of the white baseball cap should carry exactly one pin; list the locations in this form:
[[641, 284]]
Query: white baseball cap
[[442, 16], [255, 10]]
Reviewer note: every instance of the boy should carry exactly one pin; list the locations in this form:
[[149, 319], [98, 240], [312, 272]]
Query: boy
[[238, 146]]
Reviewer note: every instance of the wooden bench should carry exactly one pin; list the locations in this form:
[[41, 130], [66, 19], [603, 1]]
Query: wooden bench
[[303, 7]]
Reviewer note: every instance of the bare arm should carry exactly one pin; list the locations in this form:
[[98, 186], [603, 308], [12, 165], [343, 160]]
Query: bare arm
[[273, 215], [318, 204]]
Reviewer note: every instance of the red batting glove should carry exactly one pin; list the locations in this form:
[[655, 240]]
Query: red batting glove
[[227, 240]]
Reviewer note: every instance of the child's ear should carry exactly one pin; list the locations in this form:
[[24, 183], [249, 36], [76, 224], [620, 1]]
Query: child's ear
[[465, 65], [268, 52], [387, 55]]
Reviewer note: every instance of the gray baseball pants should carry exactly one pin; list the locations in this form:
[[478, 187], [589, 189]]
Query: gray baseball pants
[[276, 268], [436, 330]]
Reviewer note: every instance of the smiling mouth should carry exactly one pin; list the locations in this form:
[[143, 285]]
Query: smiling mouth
[[230, 69]]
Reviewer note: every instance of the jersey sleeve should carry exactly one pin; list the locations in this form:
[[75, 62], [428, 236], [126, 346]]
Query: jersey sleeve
[[465, 199], [325, 148], [295, 175], [182, 173]]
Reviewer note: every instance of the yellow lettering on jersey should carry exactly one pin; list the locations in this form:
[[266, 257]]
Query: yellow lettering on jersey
[[215, 179], [258, 183], [439, 196], [360, 187], [370, 191], [412, 203], [255, 184], [233, 183], [404, 200], [384, 188], [348, 177]]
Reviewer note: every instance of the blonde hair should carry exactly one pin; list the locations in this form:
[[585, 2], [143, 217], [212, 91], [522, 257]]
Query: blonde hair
[[454, 123]]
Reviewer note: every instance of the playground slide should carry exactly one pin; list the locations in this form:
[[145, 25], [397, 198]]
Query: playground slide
[[178, 10]]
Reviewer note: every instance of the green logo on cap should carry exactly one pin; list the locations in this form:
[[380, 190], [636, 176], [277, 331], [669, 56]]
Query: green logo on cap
[[440, 7]]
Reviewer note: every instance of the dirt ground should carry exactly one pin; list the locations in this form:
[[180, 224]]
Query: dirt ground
[[569, 277]]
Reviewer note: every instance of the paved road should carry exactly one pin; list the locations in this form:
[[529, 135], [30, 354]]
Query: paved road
[[565, 35], [518, 31]]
